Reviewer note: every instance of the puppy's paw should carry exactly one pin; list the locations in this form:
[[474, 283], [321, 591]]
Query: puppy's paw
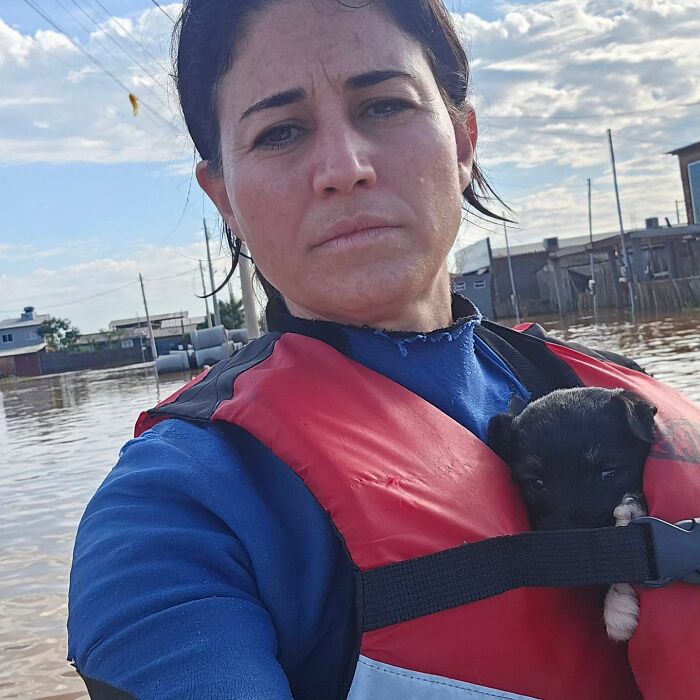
[[631, 507], [621, 612]]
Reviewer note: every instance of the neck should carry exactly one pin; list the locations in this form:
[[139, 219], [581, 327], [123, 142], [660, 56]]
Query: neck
[[424, 314]]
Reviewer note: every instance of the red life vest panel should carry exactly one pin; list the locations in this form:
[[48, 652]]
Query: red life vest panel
[[400, 480], [665, 650]]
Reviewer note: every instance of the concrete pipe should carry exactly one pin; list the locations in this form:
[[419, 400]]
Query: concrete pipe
[[208, 338]]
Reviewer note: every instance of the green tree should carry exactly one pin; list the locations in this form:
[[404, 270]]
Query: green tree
[[232, 315], [58, 333]]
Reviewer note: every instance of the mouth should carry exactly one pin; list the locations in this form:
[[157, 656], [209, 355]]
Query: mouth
[[348, 233]]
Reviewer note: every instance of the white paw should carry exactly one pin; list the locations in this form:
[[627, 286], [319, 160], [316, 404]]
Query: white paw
[[631, 508], [621, 612]]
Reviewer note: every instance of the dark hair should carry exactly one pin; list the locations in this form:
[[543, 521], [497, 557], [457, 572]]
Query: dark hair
[[208, 33]]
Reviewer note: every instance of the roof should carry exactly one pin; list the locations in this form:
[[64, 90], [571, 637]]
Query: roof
[[577, 244], [18, 323], [682, 149], [26, 350], [142, 319], [538, 246]]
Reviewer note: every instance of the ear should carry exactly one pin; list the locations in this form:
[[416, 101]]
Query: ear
[[215, 187], [500, 435], [639, 414], [466, 134]]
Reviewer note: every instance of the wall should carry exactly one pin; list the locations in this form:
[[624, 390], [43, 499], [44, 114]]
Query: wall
[[22, 336], [54, 362], [684, 159]]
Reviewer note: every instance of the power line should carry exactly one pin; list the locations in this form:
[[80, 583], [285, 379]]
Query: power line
[[138, 43], [101, 66], [88, 298], [118, 45], [172, 277], [157, 4]]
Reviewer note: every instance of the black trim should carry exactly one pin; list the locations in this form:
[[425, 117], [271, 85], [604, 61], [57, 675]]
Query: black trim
[[98, 690], [539, 369], [559, 558], [200, 401], [536, 331]]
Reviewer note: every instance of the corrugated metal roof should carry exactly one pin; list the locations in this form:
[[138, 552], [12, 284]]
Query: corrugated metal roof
[[9, 323], [27, 350]]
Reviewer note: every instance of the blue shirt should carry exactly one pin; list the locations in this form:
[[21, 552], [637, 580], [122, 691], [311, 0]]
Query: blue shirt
[[203, 566]]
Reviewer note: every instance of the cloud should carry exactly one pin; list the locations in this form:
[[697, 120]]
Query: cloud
[[48, 82], [551, 77], [91, 292]]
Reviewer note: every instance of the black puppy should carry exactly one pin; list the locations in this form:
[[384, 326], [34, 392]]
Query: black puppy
[[576, 453], [578, 456]]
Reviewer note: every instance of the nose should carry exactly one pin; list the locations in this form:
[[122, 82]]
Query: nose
[[342, 161]]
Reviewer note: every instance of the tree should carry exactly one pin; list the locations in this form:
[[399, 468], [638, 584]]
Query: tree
[[232, 314], [58, 333]]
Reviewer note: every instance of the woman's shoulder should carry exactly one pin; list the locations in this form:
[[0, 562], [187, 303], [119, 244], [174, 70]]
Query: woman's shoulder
[[213, 464]]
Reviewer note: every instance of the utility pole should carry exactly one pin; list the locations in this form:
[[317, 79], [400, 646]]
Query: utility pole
[[516, 303], [251, 314], [678, 213], [626, 257], [215, 301], [154, 350], [591, 283], [204, 294]]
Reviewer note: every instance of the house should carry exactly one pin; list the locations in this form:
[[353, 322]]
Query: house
[[553, 276], [21, 344], [689, 161]]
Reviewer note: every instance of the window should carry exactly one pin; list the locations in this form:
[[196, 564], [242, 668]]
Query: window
[[694, 180], [479, 284], [7, 338]]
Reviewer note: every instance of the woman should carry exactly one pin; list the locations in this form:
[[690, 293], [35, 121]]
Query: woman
[[224, 556]]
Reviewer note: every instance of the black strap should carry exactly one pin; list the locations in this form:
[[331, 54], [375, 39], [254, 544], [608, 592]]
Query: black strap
[[472, 572]]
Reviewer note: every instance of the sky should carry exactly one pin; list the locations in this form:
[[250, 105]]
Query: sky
[[91, 196]]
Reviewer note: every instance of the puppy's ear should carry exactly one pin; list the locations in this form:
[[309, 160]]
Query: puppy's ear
[[639, 414], [500, 435]]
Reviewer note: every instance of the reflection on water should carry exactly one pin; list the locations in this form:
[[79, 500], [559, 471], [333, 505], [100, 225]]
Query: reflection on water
[[60, 435]]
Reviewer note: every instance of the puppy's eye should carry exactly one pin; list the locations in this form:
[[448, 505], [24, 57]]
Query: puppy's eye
[[535, 486], [608, 474]]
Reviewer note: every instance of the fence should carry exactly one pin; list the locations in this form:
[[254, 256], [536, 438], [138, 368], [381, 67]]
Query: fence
[[657, 297], [55, 362]]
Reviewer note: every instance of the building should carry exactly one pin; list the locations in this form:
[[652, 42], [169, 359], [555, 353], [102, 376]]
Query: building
[[171, 332], [689, 161], [474, 278], [553, 276], [174, 320], [21, 344]]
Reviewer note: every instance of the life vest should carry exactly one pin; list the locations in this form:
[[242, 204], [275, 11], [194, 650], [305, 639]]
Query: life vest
[[401, 480]]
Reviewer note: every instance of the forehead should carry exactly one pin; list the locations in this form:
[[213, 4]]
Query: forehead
[[299, 43]]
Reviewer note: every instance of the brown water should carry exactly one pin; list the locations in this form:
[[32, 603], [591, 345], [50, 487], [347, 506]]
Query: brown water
[[60, 435]]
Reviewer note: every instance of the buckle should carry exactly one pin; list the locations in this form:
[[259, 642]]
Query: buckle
[[676, 549]]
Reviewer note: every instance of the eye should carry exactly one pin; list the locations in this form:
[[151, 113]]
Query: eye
[[608, 474], [386, 109], [278, 137], [535, 486]]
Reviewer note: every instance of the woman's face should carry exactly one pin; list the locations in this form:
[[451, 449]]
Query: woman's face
[[342, 169]]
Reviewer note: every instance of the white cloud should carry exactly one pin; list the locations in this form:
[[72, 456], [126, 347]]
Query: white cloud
[[565, 58], [171, 278], [47, 80]]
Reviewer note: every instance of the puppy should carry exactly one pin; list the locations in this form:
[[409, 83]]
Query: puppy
[[578, 457]]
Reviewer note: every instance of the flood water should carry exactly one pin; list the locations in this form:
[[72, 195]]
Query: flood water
[[59, 437]]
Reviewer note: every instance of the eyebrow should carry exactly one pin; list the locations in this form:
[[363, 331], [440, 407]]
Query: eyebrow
[[357, 82]]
